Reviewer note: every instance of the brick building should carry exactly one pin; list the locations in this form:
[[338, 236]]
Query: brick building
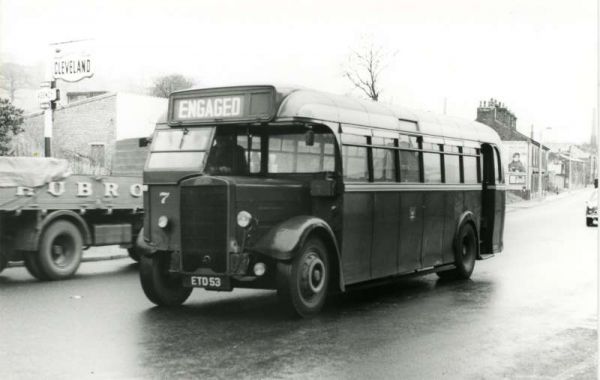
[[92, 132], [520, 154]]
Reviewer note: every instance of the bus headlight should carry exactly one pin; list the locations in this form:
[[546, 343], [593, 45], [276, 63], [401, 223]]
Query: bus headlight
[[163, 221], [244, 218], [259, 269]]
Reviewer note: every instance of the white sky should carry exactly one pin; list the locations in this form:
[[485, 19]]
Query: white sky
[[538, 57]]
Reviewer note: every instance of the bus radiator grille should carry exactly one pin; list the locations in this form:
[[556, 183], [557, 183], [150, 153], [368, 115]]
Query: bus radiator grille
[[204, 227]]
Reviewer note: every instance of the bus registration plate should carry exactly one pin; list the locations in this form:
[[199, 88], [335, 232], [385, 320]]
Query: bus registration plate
[[209, 282]]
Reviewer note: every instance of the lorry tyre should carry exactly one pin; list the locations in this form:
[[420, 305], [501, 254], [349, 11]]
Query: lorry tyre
[[60, 250], [302, 283], [32, 265], [160, 286], [465, 254]]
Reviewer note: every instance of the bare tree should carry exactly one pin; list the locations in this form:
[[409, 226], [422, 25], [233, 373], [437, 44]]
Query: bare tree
[[364, 67], [13, 77], [166, 84]]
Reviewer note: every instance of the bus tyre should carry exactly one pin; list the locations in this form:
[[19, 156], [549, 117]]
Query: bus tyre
[[465, 254], [60, 251], [33, 266], [302, 284], [160, 286], [589, 222], [134, 253], [3, 262]]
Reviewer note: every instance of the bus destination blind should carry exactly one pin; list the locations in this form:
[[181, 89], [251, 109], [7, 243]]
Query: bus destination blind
[[208, 108]]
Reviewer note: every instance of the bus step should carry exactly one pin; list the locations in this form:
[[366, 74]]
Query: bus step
[[485, 256]]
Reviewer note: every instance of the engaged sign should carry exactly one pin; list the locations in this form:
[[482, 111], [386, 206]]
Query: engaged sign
[[208, 108]]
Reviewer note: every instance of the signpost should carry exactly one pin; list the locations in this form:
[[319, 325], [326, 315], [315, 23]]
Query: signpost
[[70, 63]]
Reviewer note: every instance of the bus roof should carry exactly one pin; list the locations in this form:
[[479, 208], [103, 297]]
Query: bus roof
[[347, 110], [291, 102]]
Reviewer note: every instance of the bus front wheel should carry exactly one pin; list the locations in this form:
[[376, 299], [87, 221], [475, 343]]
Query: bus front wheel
[[465, 254], [160, 286], [302, 284], [3, 262]]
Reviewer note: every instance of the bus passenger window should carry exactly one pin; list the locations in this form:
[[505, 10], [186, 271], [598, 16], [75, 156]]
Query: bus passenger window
[[409, 166], [432, 167], [383, 165], [451, 165], [355, 163], [470, 169], [290, 154]]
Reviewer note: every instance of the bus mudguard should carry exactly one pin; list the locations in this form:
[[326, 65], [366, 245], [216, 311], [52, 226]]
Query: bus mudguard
[[283, 240], [141, 243], [467, 217]]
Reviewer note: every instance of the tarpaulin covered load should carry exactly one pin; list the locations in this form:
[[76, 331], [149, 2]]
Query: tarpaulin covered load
[[31, 171]]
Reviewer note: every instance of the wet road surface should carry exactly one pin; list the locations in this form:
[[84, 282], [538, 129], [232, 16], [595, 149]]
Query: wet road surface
[[528, 313]]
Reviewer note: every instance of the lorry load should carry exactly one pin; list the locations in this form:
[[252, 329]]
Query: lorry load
[[48, 216]]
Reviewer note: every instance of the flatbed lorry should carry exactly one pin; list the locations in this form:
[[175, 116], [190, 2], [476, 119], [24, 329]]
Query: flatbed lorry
[[48, 217]]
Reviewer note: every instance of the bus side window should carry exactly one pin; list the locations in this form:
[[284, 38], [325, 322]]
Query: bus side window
[[410, 161], [499, 172], [253, 154], [452, 168], [470, 166], [409, 166], [355, 158], [432, 163], [384, 168]]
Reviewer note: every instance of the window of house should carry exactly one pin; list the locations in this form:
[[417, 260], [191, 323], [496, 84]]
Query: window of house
[[97, 154]]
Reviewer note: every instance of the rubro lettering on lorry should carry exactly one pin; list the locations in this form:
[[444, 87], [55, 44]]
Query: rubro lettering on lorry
[[84, 189]]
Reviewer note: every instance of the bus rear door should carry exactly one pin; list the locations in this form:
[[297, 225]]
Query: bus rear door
[[493, 201]]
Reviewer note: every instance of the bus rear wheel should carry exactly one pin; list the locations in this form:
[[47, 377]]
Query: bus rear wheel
[[160, 286], [465, 254], [60, 251], [303, 283]]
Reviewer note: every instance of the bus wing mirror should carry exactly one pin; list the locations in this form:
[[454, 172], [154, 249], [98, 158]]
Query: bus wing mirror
[[309, 138], [144, 141]]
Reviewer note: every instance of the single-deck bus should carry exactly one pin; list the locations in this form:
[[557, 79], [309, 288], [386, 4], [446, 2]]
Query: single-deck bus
[[309, 193]]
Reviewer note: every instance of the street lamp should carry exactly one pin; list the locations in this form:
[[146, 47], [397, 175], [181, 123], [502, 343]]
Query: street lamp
[[540, 176]]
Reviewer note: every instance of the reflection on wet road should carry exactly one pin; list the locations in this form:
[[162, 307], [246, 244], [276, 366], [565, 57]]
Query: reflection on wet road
[[527, 313]]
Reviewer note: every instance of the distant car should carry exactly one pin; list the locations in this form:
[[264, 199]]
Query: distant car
[[591, 209]]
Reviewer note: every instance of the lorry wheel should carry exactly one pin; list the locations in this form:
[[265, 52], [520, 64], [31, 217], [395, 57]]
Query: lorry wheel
[[60, 250], [302, 284], [465, 254], [33, 266], [160, 286]]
